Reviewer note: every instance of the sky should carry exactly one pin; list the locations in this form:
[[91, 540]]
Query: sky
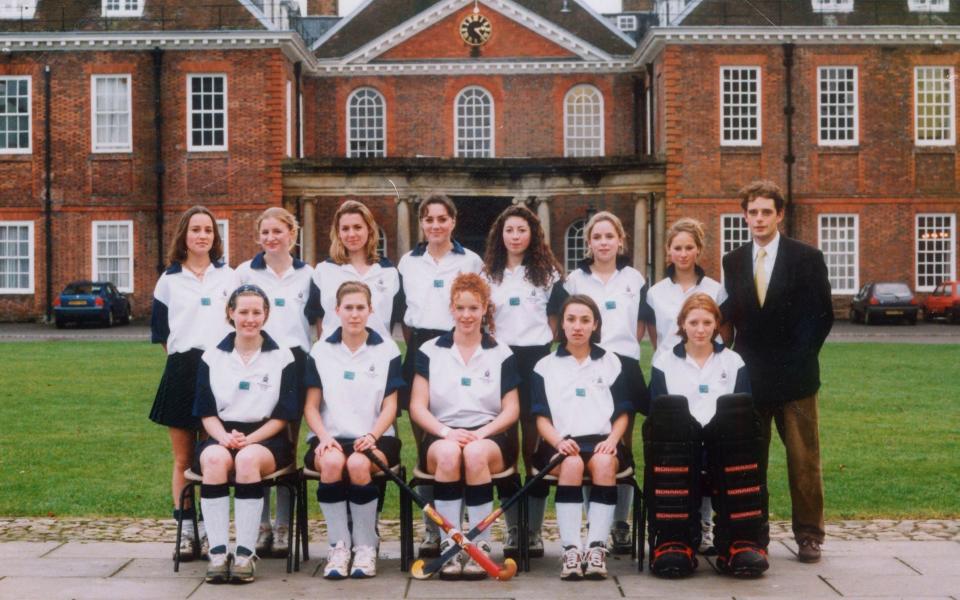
[[601, 6]]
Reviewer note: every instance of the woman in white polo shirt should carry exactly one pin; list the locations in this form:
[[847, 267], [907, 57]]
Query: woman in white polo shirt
[[354, 238], [352, 381], [527, 291], [619, 290], [246, 397], [187, 318], [295, 306], [582, 403], [684, 278], [465, 401], [701, 370], [426, 274]]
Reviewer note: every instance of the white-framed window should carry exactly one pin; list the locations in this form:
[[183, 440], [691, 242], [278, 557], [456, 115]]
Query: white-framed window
[[122, 8], [113, 253], [206, 112], [473, 123], [16, 257], [224, 226], [15, 116], [933, 106], [840, 244], [382, 244], [576, 245], [740, 106], [627, 22], [111, 123], [832, 6], [734, 232], [936, 250], [583, 121], [366, 123], [300, 114], [289, 115], [929, 5], [17, 9], [837, 106]]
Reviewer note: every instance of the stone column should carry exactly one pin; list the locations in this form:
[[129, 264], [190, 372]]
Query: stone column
[[403, 226], [641, 243], [659, 239], [310, 231], [543, 213]]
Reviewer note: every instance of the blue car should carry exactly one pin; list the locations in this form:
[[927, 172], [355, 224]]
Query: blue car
[[97, 301]]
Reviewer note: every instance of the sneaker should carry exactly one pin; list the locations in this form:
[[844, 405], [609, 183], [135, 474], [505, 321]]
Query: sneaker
[[743, 559], [430, 545], [706, 539], [571, 564], [218, 571], [338, 562], [622, 540], [511, 548], [471, 568], [536, 544], [453, 568], [204, 542], [595, 562], [186, 545], [264, 540], [243, 568], [281, 541], [672, 560], [364, 562]]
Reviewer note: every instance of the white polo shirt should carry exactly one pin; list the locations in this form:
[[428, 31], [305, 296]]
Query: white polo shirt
[[521, 310], [265, 388], [294, 300], [620, 300], [676, 373], [467, 394], [383, 280], [666, 298], [426, 284], [189, 312], [580, 398], [354, 384]]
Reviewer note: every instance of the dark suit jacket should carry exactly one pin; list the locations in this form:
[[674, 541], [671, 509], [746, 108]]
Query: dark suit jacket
[[781, 341]]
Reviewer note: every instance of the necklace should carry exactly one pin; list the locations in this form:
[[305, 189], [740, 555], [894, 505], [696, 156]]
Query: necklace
[[247, 355], [198, 273]]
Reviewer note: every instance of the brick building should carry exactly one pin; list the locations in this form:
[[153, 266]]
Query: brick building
[[115, 115]]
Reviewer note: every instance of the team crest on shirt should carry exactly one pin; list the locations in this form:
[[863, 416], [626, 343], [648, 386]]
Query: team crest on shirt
[[264, 382], [381, 286], [723, 375], [599, 381], [486, 376], [372, 371]]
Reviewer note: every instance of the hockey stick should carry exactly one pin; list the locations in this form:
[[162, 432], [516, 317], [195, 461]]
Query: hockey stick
[[419, 571], [509, 568]]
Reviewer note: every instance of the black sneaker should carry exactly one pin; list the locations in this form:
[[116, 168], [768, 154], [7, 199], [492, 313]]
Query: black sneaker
[[743, 559], [673, 560], [622, 541]]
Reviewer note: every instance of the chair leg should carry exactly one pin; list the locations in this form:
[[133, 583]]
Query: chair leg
[[298, 523], [294, 487], [637, 501], [184, 493], [523, 533], [641, 542], [305, 521]]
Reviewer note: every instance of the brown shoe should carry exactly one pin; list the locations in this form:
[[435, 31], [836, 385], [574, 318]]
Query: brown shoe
[[809, 551]]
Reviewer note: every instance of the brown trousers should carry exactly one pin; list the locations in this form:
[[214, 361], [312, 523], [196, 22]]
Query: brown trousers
[[798, 427]]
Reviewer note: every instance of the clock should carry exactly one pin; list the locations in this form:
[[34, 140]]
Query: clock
[[475, 29]]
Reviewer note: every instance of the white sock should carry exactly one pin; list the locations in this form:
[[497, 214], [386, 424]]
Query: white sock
[[333, 504], [601, 513], [451, 511], [706, 510], [569, 514], [624, 502], [215, 502], [363, 507], [283, 506], [265, 515], [426, 492], [247, 508], [477, 514]]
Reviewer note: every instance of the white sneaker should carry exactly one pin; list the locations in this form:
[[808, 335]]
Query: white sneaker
[[453, 568], [430, 545], [706, 537], [364, 562], [218, 571], [571, 564], [281, 545], [596, 562], [243, 569], [186, 545], [472, 569], [338, 562], [264, 539]]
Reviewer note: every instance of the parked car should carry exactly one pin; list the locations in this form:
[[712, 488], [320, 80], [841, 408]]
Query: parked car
[[943, 302], [884, 300], [97, 301]]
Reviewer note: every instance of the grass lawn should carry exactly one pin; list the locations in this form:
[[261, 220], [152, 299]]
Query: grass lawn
[[76, 440]]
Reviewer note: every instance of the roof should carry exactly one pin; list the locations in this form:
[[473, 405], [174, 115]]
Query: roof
[[166, 15], [376, 17], [786, 13]]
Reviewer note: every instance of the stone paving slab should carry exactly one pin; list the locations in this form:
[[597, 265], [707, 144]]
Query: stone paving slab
[[83, 588], [126, 550], [915, 586], [27, 549], [61, 567]]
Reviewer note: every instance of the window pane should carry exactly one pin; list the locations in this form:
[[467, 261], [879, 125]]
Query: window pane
[[208, 115]]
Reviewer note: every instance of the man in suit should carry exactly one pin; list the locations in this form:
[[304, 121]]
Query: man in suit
[[777, 298]]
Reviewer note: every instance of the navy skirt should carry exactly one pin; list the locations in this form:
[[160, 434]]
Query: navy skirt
[[173, 404]]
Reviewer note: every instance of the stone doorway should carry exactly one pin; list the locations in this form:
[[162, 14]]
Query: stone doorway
[[475, 215]]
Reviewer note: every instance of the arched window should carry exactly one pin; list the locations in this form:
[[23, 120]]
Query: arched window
[[473, 123], [382, 244], [366, 124], [583, 121], [576, 245]]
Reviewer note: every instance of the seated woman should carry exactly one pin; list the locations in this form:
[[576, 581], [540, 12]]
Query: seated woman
[[702, 411], [246, 396], [352, 381], [581, 398], [464, 398]]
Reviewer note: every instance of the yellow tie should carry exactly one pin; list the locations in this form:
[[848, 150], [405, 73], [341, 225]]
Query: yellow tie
[[760, 276]]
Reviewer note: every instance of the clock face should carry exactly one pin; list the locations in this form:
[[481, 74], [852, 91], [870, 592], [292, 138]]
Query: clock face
[[475, 29]]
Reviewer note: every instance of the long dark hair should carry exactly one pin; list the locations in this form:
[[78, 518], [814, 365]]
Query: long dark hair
[[178, 249], [541, 266]]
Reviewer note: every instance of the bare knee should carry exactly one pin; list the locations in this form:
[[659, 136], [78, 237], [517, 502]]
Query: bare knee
[[476, 459], [331, 466], [358, 466], [448, 458], [571, 469], [216, 462], [248, 463], [603, 468]]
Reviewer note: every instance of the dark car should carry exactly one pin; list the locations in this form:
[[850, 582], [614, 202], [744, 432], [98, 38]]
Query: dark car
[[943, 302], [884, 300], [83, 301]]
